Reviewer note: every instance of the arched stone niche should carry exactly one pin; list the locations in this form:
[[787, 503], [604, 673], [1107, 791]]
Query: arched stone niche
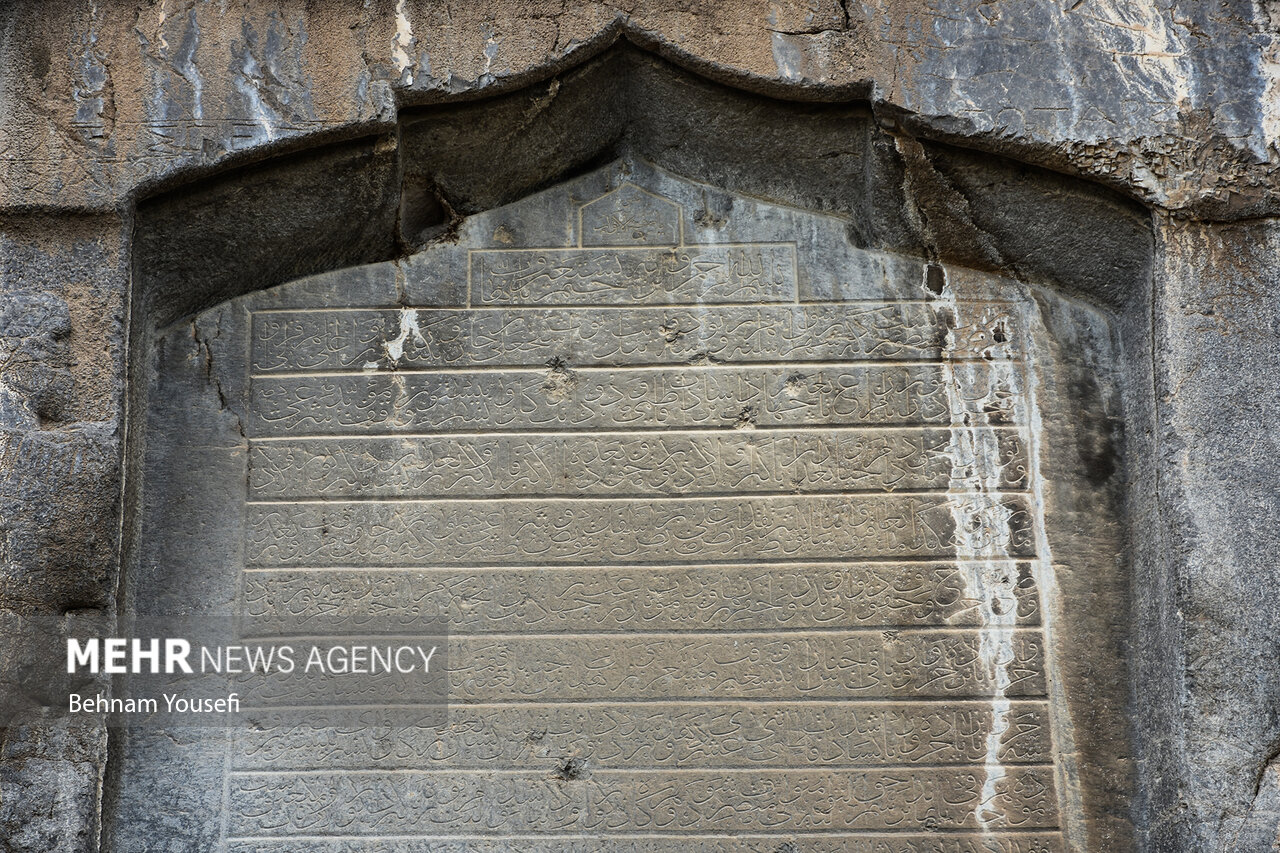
[[767, 465]]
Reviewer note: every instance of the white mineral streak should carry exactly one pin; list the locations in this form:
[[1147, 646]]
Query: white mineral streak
[[1269, 71], [490, 49], [1064, 744], [90, 88], [163, 107], [249, 85], [1142, 37], [982, 524], [408, 326], [160, 19], [786, 58], [401, 43], [186, 66]]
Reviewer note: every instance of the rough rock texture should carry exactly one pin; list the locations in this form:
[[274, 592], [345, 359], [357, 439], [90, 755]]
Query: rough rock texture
[[109, 110], [1215, 480], [1173, 101]]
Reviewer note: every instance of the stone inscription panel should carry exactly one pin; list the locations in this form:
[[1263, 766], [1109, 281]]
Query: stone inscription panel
[[563, 532], [530, 337], [561, 398], [649, 465], [622, 735], [725, 567], [744, 597], [646, 801]]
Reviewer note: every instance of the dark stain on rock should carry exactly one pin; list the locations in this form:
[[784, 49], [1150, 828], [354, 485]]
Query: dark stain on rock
[[570, 769], [1097, 445]]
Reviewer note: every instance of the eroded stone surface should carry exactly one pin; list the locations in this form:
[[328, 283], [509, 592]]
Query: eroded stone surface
[[1173, 103], [720, 553], [1172, 100]]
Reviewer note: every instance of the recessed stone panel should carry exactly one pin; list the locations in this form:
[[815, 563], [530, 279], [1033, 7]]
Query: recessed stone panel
[[736, 529]]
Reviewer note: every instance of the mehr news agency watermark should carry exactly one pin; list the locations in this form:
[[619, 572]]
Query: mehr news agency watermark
[[402, 662]]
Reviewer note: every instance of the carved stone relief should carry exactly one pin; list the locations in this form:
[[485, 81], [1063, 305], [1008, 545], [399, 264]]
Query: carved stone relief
[[736, 528]]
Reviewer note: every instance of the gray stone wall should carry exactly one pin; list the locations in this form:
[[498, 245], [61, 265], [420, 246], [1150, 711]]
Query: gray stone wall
[[157, 159]]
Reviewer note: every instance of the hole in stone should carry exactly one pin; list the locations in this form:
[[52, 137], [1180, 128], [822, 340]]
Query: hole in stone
[[671, 331], [560, 380], [568, 769], [794, 385], [935, 280]]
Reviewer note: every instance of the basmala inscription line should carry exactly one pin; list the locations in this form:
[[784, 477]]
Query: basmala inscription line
[[694, 431]]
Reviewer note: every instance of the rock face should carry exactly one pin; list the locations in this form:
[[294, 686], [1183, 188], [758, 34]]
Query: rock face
[[792, 469], [737, 528]]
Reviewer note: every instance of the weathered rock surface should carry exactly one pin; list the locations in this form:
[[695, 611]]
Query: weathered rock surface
[[681, 484], [1171, 100], [323, 136]]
